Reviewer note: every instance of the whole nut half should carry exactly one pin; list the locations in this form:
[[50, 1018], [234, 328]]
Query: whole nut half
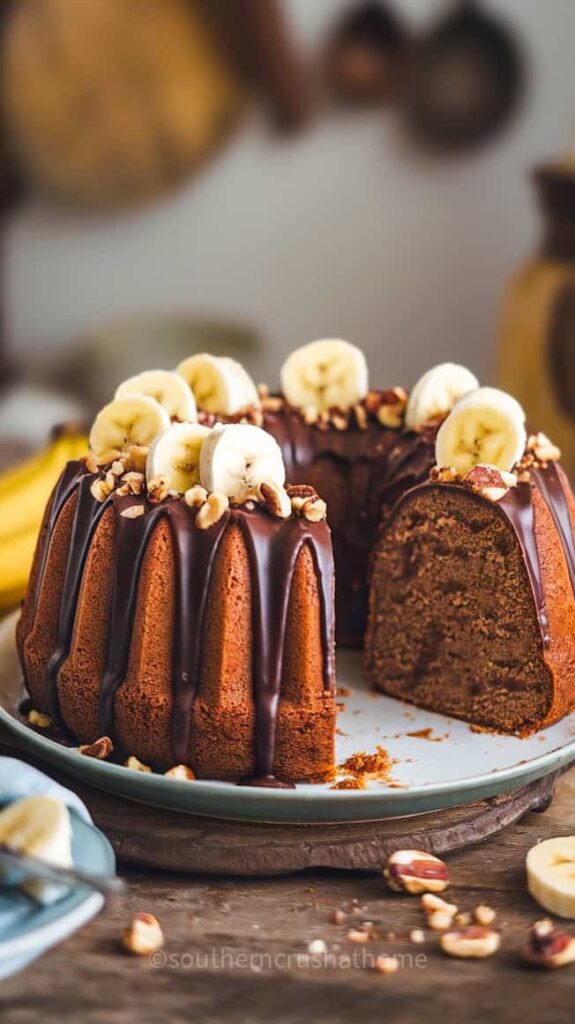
[[416, 871], [314, 510], [474, 941], [275, 499], [548, 946]]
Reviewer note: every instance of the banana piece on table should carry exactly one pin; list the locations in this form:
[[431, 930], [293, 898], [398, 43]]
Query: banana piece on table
[[167, 387], [551, 875], [435, 394], [132, 419], [220, 385], [325, 374], [40, 827], [175, 455], [486, 427], [235, 458]]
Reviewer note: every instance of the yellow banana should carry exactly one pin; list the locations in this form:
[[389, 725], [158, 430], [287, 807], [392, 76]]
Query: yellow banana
[[24, 492]]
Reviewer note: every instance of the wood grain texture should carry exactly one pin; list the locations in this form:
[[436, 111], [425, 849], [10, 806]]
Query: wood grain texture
[[237, 949]]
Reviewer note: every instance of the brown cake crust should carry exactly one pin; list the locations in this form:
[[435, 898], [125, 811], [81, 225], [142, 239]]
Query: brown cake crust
[[454, 622], [223, 716]]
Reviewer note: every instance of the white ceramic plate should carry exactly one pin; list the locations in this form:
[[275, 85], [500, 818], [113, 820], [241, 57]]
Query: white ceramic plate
[[452, 766]]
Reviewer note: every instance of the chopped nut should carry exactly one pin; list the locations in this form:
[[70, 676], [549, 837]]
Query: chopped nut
[[430, 902], [484, 914], [355, 935], [317, 947], [416, 871], [360, 416], [339, 420], [309, 415], [135, 481], [548, 946], [212, 511], [443, 475], [158, 489], [338, 916], [440, 920], [385, 964], [100, 489], [100, 749], [91, 462], [417, 935], [135, 458], [474, 941], [39, 719], [136, 765], [388, 407], [180, 772], [110, 480], [301, 491], [195, 496], [117, 468], [133, 511], [272, 403], [314, 510], [263, 390], [489, 481], [543, 449], [144, 935], [275, 499]]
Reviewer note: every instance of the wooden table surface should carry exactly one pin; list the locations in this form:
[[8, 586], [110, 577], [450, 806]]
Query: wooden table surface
[[236, 950]]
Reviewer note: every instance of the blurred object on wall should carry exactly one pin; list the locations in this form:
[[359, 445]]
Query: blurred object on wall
[[536, 358], [94, 366], [256, 36], [468, 76], [367, 55], [24, 492], [111, 103]]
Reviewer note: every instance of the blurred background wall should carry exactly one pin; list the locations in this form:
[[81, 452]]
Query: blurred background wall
[[344, 229]]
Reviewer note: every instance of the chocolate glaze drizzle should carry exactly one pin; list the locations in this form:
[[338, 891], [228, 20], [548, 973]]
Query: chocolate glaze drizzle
[[377, 465], [273, 547]]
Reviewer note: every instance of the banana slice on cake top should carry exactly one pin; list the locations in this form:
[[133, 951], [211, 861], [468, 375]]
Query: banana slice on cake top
[[329, 373], [167, 387], [485, 427], [236, 458], [436, 392], [220, 385], [175, 455], [133, 419]]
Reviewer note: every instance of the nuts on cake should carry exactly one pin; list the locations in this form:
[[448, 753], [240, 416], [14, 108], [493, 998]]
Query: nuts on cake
[[212, 510], [180, 772], [489, 482], [314, 510], [416, 871], [132, 512], [275, 499], [195, 496], [39, 719], [136, 765]]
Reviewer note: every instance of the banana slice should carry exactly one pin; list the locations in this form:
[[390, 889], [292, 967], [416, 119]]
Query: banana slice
[[168, 388], [436, 393], [236, 458], [220, 384], [551, 875], [325, 374], [486, 426], [39, 826], [130, 420], [176, 455]]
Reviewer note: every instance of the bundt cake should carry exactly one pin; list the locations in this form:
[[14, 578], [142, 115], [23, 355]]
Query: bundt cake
[[472, 600], [193, 625]]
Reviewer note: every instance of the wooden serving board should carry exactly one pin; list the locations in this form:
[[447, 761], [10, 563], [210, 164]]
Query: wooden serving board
[[158, 838]]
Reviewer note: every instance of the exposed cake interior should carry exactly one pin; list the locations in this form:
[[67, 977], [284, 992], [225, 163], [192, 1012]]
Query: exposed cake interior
[[454, 626]]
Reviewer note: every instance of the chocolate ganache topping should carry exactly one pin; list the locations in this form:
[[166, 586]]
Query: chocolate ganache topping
[[272, 546]]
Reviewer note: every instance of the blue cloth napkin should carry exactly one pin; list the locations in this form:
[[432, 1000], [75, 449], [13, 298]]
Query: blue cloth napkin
[[18, 780]]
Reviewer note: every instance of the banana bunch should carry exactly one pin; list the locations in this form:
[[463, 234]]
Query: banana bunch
[[24, 493]]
